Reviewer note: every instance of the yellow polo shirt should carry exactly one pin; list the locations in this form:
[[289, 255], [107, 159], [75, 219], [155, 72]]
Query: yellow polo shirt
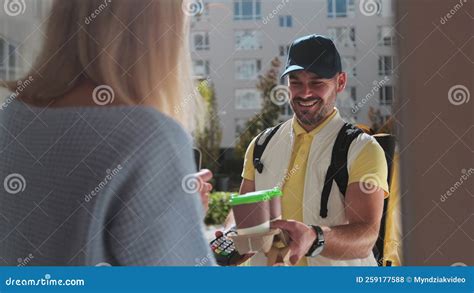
[[371, 160]]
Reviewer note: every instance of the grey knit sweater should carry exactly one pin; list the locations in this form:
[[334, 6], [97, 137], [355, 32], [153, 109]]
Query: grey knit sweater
[[97, 186]]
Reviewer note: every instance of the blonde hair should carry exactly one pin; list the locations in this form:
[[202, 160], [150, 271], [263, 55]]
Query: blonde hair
[[138, 48]]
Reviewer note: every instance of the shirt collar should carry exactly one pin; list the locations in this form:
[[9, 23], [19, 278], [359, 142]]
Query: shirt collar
[[299, 130]]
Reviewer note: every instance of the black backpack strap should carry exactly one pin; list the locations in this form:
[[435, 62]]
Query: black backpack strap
[[260, 144], [388, 144], [337, 169]]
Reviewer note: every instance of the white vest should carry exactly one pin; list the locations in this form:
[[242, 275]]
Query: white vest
[[276, 159]]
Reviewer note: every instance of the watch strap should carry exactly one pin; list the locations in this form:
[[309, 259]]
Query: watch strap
[[318, 244]]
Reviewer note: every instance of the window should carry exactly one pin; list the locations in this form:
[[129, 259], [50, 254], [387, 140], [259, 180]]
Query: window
[[201, 41], [247, 9], [340, 8], [385, 65], [386, 95], [385, 36], [248, 99], [283, 50], [37, 7], [343, 36], [248, 40], [286, 21], [348, 65], [8, 60], [353, 93], [247, 69], [386, 8], [201, 67]]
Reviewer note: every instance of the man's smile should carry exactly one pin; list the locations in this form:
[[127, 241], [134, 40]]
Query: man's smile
[[308, 103]]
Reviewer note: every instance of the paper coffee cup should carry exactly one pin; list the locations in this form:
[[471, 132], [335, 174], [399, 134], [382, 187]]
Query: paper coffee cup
[[253, 211], [275, 208]]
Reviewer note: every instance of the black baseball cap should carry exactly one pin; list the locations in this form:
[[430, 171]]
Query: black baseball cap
[[316, 54]]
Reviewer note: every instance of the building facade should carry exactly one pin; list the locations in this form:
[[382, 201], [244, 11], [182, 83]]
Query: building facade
[[20, 35], [233, 41]]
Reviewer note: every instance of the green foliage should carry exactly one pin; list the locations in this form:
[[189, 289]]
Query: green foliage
[[269, 114], [208, 139], [219, 208]]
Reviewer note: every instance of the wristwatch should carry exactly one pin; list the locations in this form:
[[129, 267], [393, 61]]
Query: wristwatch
[[318, 244]]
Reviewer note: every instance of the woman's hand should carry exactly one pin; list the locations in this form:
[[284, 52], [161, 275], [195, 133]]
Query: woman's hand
[[241, 260], [205, 187]]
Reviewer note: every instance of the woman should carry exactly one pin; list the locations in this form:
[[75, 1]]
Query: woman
[[95, 160]]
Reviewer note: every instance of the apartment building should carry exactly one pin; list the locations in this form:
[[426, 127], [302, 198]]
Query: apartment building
[[233, 41], [20, 35]]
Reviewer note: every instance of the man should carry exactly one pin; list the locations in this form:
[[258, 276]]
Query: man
[[298, 155]]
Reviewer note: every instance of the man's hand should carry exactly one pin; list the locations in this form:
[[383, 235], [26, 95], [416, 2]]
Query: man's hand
[[301, 237], [353, 240], [204, 187]]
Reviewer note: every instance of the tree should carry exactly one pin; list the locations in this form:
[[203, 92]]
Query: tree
[[208, 138], [269, 114]]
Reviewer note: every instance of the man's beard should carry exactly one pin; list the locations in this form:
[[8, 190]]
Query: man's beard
[[305, 117]]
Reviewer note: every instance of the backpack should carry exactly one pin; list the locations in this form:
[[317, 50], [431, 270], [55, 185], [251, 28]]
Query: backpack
[[337, 170]]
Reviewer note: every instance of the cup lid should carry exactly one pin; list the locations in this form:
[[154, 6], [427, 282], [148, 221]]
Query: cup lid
[[256, 196]]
